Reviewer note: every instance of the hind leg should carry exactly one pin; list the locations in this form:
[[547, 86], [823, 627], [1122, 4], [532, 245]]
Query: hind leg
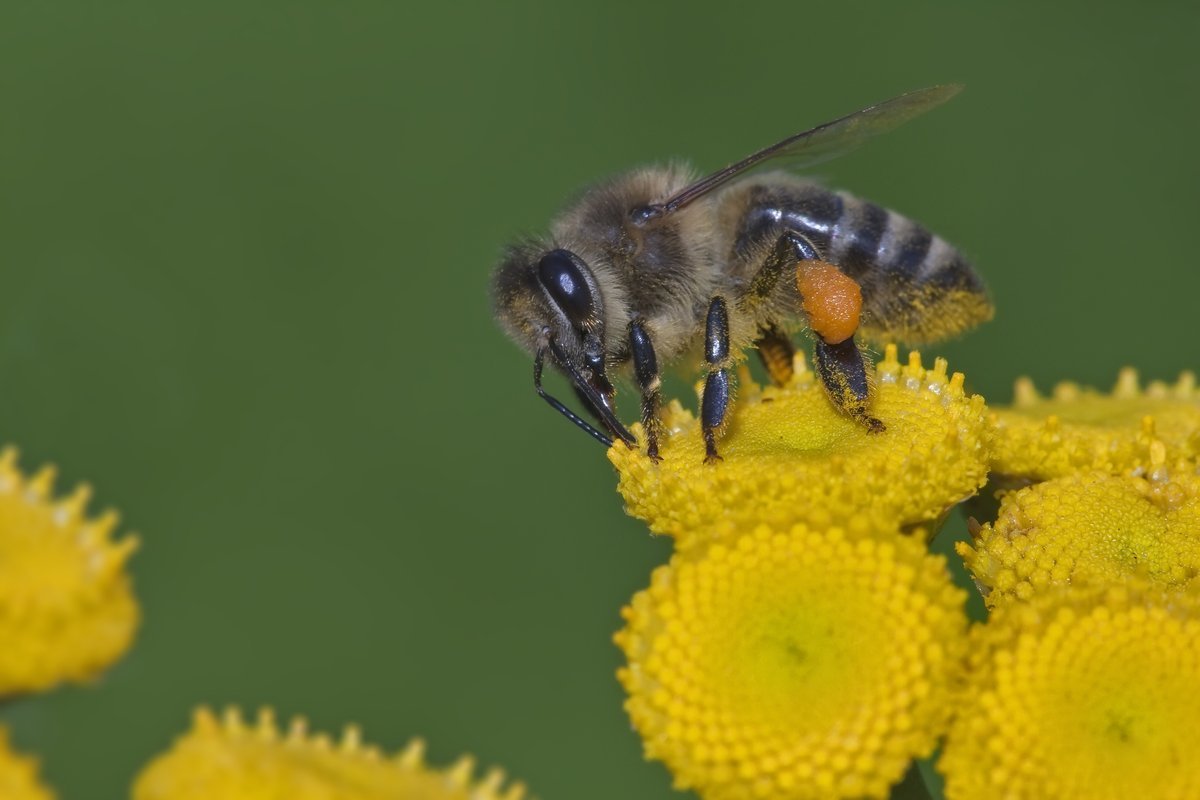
[[832, 301], [843, 371]]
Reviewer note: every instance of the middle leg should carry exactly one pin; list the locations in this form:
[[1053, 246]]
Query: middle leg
[[777, 353], [715, 401]]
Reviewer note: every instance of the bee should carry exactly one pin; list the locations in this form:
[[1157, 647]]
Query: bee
[[655, 265]]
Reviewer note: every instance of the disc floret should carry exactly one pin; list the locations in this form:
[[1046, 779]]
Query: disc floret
[[794, 664], [1089, 528], [1079, 429], [230, 758], [790, 456], [1082, 692], [67, 610]]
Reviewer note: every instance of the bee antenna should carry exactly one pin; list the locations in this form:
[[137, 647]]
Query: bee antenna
[[589, 392], [559, 407]]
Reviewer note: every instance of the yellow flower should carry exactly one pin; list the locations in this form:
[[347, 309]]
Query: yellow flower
[[231, 760], [1079, 429], [1081, 694], [790, 456], [1088, 528], [789, 665], [66, 607], [19, 775]]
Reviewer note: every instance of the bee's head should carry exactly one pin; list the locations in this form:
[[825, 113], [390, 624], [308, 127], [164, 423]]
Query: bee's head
[[549, 301], [541, 293]]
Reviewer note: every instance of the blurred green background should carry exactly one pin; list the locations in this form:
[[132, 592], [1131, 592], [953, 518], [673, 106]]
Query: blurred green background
[[245, 252]]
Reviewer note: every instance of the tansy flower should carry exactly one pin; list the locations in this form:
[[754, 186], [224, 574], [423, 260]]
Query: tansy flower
[[1079, 429], [19, 775], [1088, 528], [231, 760], [798, 664], [790, 456], [66, 607], [1081, 693]]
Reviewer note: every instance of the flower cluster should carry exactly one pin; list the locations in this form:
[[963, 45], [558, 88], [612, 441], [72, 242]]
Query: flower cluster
[[795, 663], [789, 457], [67, 612], [1087, 692], [67, 609], [19, 775], [803, 643], [228, 758]]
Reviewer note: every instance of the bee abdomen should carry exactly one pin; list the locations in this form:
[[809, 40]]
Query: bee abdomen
[[868, 242], [915, 285], [872, 243]]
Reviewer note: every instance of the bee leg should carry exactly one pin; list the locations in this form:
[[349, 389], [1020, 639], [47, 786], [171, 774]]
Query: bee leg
[[777, 354], [595, 402], [645, 368], [716, 386], [562, 409], [844, 374], [790, 248], [586, 402], [774, 347]]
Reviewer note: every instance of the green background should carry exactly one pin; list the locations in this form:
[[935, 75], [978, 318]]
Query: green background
[[245, 251]]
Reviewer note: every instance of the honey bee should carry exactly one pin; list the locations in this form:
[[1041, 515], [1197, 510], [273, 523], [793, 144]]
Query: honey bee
[[654, 265]]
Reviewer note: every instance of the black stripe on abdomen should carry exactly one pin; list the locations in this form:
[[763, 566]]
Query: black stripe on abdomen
[[869, 243], [809, 210], [855, 244]]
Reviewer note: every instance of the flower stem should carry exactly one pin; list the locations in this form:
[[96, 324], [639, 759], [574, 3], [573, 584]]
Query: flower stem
[[913, 786]]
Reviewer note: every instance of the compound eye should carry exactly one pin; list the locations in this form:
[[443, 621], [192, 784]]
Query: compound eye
[[565, 283]]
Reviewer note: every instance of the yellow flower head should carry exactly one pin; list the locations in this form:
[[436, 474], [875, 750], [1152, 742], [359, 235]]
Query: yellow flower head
[[793, 665], [19, 775], [790, 456], [66, 607], [1087, 693], [1079, 429], [1092, 527], [231, 760]]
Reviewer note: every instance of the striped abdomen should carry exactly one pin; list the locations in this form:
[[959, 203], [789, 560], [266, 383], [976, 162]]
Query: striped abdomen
[[916, 286]]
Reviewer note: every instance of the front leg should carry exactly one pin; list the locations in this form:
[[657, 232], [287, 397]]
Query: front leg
[[645, 369], [715, 402]]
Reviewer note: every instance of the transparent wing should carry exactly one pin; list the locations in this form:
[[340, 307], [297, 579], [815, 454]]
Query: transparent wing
[[824, 141]]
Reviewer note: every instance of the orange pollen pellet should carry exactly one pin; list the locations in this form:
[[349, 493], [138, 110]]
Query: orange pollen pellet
[[831, 299]]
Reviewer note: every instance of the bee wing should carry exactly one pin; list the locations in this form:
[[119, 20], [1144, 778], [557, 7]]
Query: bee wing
[[824, 141]]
